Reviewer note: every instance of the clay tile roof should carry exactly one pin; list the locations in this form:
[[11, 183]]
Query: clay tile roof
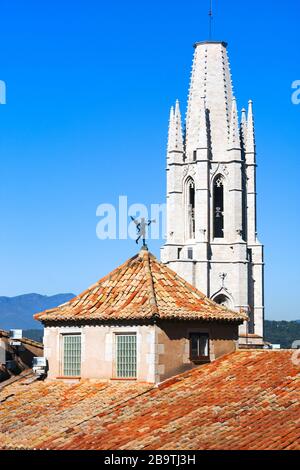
[[5, 334], [248, 400], [140, 289]]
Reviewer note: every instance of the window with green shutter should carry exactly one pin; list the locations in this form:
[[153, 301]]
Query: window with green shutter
[[126, 356], [72, 355]]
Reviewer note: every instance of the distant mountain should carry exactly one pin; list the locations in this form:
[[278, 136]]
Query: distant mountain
[[36, 335], [17, 312], [282, 332]]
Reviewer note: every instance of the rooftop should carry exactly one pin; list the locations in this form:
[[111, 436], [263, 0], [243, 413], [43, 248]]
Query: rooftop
[[247, 400], [141, 289], [5, 334], [201, 43]]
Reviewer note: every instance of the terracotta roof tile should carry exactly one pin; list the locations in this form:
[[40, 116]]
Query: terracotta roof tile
[[142, 288], [5, 334], [247, 400]]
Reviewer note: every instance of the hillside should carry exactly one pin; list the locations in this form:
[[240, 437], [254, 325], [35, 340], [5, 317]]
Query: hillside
[[282, 332], [17, 312]]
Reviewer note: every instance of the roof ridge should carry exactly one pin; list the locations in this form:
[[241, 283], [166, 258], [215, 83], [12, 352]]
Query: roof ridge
[[145, 256], [89, 289], [141, 288]]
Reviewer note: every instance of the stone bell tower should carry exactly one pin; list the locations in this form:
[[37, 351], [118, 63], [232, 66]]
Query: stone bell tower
[[211, 192]]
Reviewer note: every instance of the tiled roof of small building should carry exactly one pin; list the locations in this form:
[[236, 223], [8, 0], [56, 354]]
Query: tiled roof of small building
[[141, 289], [246, 400], [5, 334]]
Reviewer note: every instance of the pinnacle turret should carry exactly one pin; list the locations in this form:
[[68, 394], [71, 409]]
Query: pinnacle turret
[[250, 146], [171, 137], [175, 141], [243, 129], [178, 129]]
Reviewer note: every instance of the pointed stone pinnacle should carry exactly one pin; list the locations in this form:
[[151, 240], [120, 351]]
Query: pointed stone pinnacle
[[175, 141], [250, 147], [171, 137], [244, 128], [172, 114], [178, 129]]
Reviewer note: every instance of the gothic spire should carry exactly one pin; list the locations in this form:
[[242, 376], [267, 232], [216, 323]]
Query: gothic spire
[[171, 137], [210, 78], [175, 141], [244, 128], [178, 129], [250, 147], [234, 138]]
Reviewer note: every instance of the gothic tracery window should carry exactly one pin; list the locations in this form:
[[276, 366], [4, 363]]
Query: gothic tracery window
[[218, 207]]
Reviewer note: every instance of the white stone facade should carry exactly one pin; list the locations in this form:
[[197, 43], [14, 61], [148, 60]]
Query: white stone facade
[[211, 191]]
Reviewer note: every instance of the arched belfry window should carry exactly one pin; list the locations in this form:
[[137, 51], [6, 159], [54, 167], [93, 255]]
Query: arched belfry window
[[218, 207], [190, 209], [223, 300]]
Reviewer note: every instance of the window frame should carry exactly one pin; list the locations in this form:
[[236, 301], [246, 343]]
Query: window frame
[[201, 358], [63, 336], [116, 336]]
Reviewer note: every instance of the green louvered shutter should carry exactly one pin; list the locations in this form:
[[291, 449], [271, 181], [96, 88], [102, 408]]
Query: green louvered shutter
[[126, 356], [72, 355]]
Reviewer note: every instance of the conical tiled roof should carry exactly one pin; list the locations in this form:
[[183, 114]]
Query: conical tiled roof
[[140, 289]]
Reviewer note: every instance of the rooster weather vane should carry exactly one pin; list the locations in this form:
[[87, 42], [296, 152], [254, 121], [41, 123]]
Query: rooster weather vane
[[141, 229]]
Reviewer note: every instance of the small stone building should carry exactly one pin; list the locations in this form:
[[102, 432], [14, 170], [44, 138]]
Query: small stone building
[[141, 322]]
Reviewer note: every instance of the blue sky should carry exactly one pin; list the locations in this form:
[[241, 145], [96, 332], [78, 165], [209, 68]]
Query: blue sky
[[89, 87]]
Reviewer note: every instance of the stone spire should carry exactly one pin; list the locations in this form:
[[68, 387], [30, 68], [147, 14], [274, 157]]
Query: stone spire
[[171, 137], [211, 79], [250, 146], [178, 129], [234, 137], [243, 130], [175, 141]]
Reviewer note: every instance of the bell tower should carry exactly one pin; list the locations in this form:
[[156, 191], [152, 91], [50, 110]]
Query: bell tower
[[211, 191]]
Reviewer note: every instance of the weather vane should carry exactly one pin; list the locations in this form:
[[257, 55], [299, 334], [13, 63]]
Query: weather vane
[[210, 14], [141, 228]]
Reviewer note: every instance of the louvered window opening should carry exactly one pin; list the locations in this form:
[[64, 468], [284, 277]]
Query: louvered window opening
[[72, 355], [126, 356]]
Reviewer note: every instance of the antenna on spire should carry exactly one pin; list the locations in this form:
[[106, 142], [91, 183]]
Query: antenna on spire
[[210, 14]]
